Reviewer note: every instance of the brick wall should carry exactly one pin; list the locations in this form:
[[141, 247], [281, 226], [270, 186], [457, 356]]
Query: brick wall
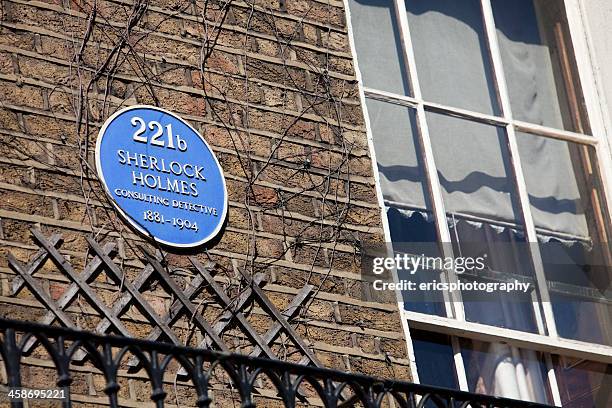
[[274, 93]]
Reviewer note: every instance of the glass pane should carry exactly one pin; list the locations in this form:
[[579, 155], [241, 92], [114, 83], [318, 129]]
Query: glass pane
[[505, 371], [557, 174], [451, 53], [474, 168], [507, 260], [434, 359], [378, 45], [538, 63], [402, 178], [570, 309], [583, 384], [414, 233], [568, 209]]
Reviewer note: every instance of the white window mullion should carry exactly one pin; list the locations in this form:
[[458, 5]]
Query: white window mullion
[[552, 133], [519, 177], [390, 97], [453, 303], [535, 302], [459, 366], [521, 126], [552, 380]]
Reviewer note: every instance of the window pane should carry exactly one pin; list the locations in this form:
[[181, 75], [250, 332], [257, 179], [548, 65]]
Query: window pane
[[579, 286], [378, 45], [474, 168], [401, 172], [584, 384], [507, 260], [568, 209], [570, 310], [414, 233], [451, 53], [538, 63], [505, 371], [508, 310], [554, 181], [434, 359]]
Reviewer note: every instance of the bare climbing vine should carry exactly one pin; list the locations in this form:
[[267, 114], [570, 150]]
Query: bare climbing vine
[[113, 65]]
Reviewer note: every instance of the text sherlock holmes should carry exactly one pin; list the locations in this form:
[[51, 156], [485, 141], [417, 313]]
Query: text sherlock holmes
[[163, 180]]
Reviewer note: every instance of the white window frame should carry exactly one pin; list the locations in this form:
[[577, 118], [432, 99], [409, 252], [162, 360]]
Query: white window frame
[[547, 339]]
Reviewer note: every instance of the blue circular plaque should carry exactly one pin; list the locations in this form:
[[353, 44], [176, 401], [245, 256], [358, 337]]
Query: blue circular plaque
[[162, 176]]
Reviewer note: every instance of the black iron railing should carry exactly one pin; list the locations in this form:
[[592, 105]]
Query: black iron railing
[[292, 384]]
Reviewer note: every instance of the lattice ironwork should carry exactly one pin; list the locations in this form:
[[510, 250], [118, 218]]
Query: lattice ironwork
[[322, 387], [131, 295]]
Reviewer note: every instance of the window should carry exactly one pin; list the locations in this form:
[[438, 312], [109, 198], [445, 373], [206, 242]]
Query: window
[[484, 146], [434, 354]]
